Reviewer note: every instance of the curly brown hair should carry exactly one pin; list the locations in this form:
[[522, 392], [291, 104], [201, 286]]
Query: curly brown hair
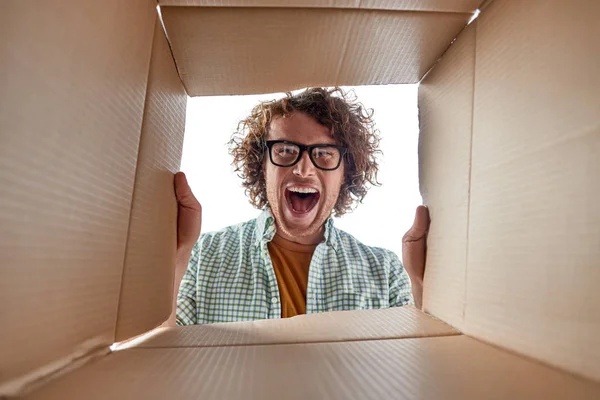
[[350, 123]]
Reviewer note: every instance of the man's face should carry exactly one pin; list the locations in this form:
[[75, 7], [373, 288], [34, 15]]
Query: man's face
[[301, 215]]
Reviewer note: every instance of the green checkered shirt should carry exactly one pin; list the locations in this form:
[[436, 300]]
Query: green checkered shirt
[[230, 276]]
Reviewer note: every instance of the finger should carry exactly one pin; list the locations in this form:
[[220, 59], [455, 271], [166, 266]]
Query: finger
[[420, 225]]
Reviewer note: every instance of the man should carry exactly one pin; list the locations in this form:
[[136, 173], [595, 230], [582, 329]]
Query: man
[[302, 159]]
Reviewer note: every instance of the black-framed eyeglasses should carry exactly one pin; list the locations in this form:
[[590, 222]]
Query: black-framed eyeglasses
[[284, 153]]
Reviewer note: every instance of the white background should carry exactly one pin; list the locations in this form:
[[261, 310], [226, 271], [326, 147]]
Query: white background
[[387, 211]]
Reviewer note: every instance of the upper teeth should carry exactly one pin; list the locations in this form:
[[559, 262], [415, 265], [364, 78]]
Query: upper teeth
[[302, 190]]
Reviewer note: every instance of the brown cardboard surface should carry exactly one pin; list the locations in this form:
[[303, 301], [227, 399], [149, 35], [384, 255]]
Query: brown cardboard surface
[[454, 367], [264, 50], [400, 322], [534, 239], [73, 85], [445, 119], [150, 259], [406, 5]]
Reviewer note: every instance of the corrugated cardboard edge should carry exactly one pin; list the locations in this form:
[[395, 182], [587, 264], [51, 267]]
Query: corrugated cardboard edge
[[330, 327], [436, 6], [149, 264], [140, 344], [473, 19], [484, 5], [164, 29], [125, 253]]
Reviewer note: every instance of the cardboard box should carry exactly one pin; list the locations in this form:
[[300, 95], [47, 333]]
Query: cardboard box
[[92, 113]]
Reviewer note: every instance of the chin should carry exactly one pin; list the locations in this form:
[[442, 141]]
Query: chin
[[305, 226]]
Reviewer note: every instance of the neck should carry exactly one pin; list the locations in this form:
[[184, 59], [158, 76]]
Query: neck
[[315, 238]]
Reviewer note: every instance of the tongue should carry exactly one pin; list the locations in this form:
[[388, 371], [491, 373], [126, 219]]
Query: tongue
[[301, 202]]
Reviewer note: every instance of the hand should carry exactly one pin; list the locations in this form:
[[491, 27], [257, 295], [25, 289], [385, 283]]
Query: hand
[[414, 245], [189, 222], [189, 215]]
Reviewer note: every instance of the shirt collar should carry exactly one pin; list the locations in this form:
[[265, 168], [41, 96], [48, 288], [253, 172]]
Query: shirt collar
[[265, 230], [265, 227]]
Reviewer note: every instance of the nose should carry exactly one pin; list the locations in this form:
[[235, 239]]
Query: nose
[[304, 167]]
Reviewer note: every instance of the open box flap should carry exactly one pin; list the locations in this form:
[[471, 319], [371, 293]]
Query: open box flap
[[445, 118], [152, 241], [71, 112], [534, 227], [390, 323], [233, 50], [533, 223]]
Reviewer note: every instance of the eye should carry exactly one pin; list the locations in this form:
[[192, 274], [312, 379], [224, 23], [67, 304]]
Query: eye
[[287, 149], [323, 153]]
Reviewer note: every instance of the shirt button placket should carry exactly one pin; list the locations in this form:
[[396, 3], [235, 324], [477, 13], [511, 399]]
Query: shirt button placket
[[274, 307]]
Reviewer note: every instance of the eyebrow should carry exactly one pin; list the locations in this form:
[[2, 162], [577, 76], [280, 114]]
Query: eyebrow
[[305, 144]]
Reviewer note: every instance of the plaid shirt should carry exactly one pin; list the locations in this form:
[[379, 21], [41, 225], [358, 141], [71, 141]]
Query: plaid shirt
[[230, 276]]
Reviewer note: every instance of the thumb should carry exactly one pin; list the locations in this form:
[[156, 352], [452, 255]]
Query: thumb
[[183, 192], [189, 214], [420, 226], [414, 246]]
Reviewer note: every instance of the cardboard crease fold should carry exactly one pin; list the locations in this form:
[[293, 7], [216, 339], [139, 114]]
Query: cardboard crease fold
[[137, 165]]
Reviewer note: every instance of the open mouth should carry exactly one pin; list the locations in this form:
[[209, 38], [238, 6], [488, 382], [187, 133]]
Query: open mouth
[[301, 200]]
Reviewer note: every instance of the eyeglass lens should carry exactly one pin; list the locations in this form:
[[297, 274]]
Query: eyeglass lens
[[285, 154]]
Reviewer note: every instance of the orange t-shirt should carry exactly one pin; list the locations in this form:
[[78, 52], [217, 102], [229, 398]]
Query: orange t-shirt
[[291, 262]]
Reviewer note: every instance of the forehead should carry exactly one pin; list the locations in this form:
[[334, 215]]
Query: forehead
[[299, 127]]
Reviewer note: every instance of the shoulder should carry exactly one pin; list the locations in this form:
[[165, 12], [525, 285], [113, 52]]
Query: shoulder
[[351, 245], [226, 239], [233, 231]]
